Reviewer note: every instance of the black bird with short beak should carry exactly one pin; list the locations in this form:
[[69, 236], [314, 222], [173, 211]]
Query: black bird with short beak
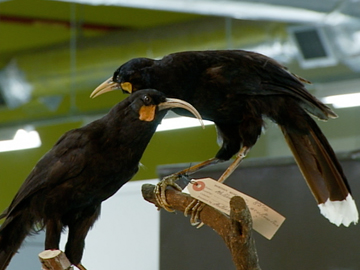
[[236, 90], [85, 167]]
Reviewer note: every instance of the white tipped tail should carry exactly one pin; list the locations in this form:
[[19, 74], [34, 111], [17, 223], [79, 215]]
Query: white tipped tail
[[340, 212]]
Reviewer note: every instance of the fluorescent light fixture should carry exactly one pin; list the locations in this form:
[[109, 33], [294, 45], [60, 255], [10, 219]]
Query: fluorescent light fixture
[[179, 123], [22, 140], [14, 87], [343, 101]]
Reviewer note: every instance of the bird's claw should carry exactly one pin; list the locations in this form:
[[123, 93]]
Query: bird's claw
[[195, 207], [160, 189], [80, 266]]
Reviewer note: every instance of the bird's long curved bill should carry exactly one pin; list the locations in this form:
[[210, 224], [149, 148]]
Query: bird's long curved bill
[[109, 85], [171, 103], [106, 86]]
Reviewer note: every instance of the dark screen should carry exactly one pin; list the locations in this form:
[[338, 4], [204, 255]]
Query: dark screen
[[310, 44]]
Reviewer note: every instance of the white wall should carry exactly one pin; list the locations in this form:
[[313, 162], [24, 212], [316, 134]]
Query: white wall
[[125, 237]]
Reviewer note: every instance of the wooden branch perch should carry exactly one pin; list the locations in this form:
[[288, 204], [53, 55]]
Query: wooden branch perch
[[235, 230], [54, 260]]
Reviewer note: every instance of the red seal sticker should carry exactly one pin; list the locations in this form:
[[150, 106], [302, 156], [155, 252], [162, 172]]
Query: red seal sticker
[[198, 185]]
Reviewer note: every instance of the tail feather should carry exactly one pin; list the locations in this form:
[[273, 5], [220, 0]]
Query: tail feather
[[340, 212], [12, 233], [323, 173]]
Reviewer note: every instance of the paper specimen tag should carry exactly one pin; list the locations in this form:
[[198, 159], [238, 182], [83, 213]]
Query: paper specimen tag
[[266, 221]]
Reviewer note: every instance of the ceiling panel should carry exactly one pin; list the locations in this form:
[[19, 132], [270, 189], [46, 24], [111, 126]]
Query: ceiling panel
[[28, 24]]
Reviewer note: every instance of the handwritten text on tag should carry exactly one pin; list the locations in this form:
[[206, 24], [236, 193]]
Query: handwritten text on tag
[[266, 221]]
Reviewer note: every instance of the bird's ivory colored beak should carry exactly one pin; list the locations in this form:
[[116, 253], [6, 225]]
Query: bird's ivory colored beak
[[178, 103], [107, 86]]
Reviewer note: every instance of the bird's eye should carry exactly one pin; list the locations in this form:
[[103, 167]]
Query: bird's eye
[[147, 99]]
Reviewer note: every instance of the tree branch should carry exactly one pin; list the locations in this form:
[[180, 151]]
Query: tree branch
[[236, 230]]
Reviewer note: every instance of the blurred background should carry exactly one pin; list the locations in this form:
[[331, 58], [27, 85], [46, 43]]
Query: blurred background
[[54, 53]]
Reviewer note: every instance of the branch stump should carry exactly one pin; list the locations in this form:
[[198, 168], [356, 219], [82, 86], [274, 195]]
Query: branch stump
[[54, 260]]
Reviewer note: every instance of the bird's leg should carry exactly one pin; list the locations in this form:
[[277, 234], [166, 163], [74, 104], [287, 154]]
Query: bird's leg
[[195, 207], [78, 228], [53, 233], [171, 181], [239, 157]]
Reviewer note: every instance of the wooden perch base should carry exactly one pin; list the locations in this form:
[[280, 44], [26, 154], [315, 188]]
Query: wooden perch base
[[54, 260], [236, 230]]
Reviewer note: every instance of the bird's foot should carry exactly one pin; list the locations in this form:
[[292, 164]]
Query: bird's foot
[[160, 189], [195, 207], [80, 266]]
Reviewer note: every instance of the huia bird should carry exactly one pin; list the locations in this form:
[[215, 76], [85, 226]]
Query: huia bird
[[85, 167], [236, 90]]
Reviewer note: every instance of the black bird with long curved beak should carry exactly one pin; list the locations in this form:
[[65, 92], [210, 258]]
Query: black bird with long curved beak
[[236, 90], [85, 167]]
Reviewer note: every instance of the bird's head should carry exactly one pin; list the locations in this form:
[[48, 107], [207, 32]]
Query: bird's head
[[149, 102], [129, 77]]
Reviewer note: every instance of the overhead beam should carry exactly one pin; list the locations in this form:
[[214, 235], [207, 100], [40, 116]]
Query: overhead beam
[[63, 23], [233, 9]]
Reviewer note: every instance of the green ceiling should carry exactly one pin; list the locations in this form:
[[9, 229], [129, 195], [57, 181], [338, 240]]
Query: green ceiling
[[31, 24]]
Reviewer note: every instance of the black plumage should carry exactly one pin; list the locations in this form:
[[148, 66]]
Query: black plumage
[[237, 89], [85, 167]]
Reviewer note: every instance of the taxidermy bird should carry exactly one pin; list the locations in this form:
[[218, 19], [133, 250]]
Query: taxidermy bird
[[237, 89], [85, 167]]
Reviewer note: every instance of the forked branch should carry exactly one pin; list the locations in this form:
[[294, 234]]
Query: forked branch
[[235, 230]]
